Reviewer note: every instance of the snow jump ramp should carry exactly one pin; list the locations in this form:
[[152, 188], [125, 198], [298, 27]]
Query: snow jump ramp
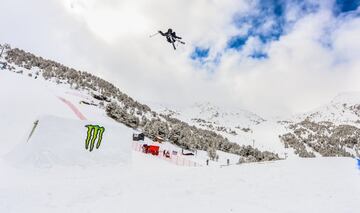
[[65, 142]]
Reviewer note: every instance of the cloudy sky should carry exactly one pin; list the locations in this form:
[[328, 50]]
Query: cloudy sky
[[268, 56]]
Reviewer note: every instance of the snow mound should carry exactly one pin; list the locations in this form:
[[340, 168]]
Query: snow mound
[[59, 141], [347, 98]]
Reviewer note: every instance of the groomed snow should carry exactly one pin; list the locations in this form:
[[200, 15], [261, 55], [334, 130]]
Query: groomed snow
[[152, 185], [59, 141]]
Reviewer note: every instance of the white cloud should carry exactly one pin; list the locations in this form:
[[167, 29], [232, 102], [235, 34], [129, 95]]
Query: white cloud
[[111, 39]]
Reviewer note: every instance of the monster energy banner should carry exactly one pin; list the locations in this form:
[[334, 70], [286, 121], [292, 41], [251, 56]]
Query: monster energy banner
[[94, 132], [70, 142]]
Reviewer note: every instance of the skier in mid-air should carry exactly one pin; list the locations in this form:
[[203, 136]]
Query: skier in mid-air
[[171, 37]]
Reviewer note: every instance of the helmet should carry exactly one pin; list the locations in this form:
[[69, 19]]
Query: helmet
[[169, 30]]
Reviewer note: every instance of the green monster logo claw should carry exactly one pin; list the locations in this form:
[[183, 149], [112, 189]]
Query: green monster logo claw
[[93, 132]]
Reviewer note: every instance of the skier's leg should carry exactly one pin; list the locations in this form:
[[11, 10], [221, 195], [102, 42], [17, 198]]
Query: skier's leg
[[173, 43]]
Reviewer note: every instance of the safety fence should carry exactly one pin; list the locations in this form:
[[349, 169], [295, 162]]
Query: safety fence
[[176, 159]]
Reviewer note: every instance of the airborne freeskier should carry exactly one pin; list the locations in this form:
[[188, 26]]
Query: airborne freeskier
[[171, 37]]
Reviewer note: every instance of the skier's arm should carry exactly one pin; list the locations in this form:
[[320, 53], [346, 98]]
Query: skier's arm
[[177, 37], [163, 34]]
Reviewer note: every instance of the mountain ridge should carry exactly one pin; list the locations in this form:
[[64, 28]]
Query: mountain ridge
[[204, 126], [126, 110]]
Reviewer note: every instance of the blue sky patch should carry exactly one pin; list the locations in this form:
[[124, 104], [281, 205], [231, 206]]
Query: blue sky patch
[[259, 55], [237, 42], [308, 7], [204, 61], [266, 22], [344, 6], [200, 53]]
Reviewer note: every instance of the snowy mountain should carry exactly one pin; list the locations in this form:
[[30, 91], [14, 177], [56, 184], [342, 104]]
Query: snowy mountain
[[343, 109], [330, 130], [102, 95], [216, 118], [238, 125], [46, 167]]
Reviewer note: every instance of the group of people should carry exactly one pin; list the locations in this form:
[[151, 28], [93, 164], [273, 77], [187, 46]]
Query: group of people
[[166, 153]]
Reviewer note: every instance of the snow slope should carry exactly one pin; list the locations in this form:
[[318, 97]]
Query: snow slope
[[238, 125], [300, 185], [25, 99], [311, 185], [343, 109], [65, 182], [43, 97], [58, 141]]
